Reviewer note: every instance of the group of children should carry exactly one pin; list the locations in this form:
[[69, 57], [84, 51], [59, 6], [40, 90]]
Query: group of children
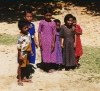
[[60, 45]]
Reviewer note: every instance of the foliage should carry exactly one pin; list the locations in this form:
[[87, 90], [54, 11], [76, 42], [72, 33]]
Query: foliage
[[11, 10]]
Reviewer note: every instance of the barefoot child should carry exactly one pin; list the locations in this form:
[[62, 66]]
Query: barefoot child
[[46, 32], [58, 44], [24, 48], [78, 45], [28, 16], [67, 42]]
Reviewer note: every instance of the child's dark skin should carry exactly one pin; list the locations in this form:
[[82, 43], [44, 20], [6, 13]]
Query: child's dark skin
[[24, 31], [74, 24], [48, 17], [69, 23], [29, 17], [58, 26]]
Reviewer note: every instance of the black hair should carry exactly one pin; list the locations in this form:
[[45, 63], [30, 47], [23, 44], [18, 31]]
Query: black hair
[[57, 20], [22, 23], [27, 11], [47, 9], [74, 18], [67, 17]]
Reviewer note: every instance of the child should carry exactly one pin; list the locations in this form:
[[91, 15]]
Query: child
[[46, 31], [58, 44], [78, 45], [67, 42], [28, 16], [24, 48]]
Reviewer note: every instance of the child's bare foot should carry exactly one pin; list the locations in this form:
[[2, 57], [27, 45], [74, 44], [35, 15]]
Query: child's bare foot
[[27, 80], [50, 71], [20, 83]]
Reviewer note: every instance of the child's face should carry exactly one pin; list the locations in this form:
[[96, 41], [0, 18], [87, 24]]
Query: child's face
[[58, 25], [70, 21], [25, 29], [48, 16], [29, 17], [74, 22]]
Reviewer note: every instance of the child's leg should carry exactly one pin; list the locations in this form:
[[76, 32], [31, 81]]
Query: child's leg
[[77, 59], [19, 76], [60, 67], [26, 80], [25, 63]]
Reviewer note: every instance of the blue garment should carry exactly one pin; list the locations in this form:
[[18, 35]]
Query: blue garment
[[32, 57]]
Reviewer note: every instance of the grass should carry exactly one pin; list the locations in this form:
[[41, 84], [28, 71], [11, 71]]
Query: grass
[[91, 60], [7, 39]]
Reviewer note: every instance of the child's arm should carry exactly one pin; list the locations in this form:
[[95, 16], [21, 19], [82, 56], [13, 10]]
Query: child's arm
[[62, 37], [62, 42], [30, 46], [35, 40], [39, 34], [54, 37], [20, 60], [19, 55], [75, 41]]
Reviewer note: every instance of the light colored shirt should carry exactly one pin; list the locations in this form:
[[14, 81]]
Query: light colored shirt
[[24, 42]]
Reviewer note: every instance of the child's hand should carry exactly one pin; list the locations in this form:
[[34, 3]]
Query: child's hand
[[62, 45], [40, 45], [21, 58], [74, 45], [36, 44], [32, 53]]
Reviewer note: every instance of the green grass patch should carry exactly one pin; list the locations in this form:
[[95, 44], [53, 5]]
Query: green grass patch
[[90, 61], [7, 39]]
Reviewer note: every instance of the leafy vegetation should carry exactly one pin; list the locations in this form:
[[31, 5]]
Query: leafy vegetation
[[11, 10]]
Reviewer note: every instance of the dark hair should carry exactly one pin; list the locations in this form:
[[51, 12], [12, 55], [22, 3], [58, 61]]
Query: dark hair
[[67, 17], [22, 23], [74, 18], [57, 20], [27, 11], [47, 9]]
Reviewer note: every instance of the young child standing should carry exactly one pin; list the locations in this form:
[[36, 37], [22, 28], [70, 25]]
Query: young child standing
[[78, 45], [58, 44], [46, 32], [67, 42], [28, 16], [24, 49]]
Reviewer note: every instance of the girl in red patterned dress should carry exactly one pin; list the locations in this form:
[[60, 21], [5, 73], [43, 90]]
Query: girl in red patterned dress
[[78, 45]]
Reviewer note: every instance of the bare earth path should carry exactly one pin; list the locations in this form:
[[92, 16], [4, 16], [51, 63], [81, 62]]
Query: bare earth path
[[56, 81]]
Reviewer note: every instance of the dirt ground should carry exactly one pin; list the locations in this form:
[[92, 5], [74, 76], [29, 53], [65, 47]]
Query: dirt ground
[[56, 81]]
